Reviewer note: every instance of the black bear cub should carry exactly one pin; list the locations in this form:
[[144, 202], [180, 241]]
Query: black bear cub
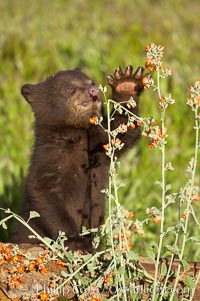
[[69, 167]]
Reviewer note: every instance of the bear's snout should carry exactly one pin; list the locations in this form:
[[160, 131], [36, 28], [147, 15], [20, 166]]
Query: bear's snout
[[94, 93]]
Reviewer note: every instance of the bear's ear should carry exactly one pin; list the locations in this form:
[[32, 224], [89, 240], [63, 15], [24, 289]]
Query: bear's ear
[[28, 92]]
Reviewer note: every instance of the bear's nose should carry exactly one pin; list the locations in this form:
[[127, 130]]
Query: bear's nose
[[94, 93]]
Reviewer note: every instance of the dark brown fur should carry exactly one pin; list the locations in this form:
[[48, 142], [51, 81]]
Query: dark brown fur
[[69, 167]]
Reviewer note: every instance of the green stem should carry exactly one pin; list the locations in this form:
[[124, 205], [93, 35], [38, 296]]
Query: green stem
[[22, 221], [163, 194], [81, 267], [169, 269], [122, 229], [188, 205], [110, 188], [110, 181], [196, 284]]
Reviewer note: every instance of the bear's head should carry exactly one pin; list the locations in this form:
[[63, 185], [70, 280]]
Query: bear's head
[[68, 98]]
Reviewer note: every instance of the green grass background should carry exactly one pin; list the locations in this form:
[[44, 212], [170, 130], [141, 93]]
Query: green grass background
[[38, 38]]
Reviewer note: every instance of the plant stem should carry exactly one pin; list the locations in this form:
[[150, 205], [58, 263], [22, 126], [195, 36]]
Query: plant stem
[[163, 193], [81, 267], [169, 269], [188, 204], [21, 220], [196, 283], [110, 187]]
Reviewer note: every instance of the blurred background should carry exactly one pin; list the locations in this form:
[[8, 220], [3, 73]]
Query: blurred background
[[39, 38]]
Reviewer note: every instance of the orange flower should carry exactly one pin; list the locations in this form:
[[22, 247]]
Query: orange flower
[[21, 259], [161, 136], [162, 100], [52, 285], [44, 296], [11, 271], [15, 259], [7, 250], [197, 100], [40, 260], [156, 220], [139, 122], [148, 61], [154, 57], [116, 236], [15, 281], [7, 257], [139, 232], [20, 269], [151, 44], [147, 48], [183, 216], [131, 214], [149, 65], [128, 246], [60, 262], [132, 125], [128, 236], [116, 141], [106, 280], [93, 120], [106, 146], [122, 128], [153, 122], [31, 266], [151, 145], [197, 199], [44, 270], [145, 82]]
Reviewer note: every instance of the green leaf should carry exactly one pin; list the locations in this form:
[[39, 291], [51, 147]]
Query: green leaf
[[185, 265], [190, 282], [172, 249], [158, 183], [121, 270], [3, 221], [64, 274], [176, 298], [86, 257], [194, 238], [154, 245], [121, 185], [163, 271], [4, 226], [168, 187], [33, 214], [133, 256], [31, 236], [91, 269], [48, 240], [151, 255], [170, 229]]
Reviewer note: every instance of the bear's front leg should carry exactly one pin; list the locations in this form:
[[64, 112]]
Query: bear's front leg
[[127, 85]]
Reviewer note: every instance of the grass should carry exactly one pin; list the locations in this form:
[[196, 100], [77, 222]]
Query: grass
[[38, 38]]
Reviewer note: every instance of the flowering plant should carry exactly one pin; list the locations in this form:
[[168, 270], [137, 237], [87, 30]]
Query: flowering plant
[[116, 272]]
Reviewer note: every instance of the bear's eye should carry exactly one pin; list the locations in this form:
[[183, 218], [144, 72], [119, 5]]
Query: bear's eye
[[69, 89]]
